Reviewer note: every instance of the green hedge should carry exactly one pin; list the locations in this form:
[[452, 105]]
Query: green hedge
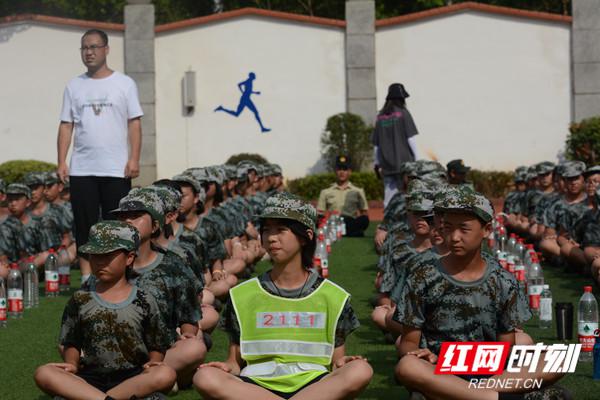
[[491, 183], [13, 171]]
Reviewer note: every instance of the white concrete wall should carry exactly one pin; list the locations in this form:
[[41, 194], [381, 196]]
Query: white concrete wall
[[299, 71], [492, 90], [36, 62]]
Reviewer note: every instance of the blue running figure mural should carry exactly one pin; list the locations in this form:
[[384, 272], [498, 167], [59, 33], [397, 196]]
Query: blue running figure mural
[[245, 101]]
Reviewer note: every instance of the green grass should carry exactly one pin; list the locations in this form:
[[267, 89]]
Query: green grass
[[29, 342]]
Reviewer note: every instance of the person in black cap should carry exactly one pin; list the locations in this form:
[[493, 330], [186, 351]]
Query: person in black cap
[[393, 139], [345, 198], [457, 172]]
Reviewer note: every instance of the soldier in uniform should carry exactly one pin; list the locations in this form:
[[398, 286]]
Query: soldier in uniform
[[545, 178], [3, 208], [113, 335], [513, 204]]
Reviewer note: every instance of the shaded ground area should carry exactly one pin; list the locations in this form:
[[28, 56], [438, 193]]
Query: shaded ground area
[[27, 343]]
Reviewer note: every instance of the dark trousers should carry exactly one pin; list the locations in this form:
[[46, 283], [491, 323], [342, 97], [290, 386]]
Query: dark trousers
[[89, 194], [356, 227]]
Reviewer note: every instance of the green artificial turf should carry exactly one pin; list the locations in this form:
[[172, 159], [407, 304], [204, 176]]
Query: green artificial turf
[[29, 342]]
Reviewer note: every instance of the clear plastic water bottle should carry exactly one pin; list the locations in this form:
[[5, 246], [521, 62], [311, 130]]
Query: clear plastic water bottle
[[64, 270], [3, 308], [520, 249], [325, 265], [15, 292], [535, 285], [512, 242], [51, 274], [31, 297], [343, 225], [587, 323], [546, 308]]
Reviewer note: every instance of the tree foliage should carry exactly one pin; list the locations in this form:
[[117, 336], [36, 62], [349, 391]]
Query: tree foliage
[[584, 141], [175, 10], [347, 134]]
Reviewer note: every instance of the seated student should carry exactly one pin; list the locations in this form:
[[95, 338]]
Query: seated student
[[4, 213], [514, 199], [304, 357], [546, 185], [113, 335], [457, 172], [165, 276], [561, 218], [217, 280], [459, 298], [419, 205], [20, 234], [572, 249], [345, 198]]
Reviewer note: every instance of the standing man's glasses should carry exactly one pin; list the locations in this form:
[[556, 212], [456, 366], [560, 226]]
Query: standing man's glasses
[[93, 48]]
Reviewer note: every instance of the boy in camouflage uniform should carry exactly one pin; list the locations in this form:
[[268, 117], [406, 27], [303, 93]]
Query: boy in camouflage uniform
[[192, 200], [165, 276], [40, 208], [21, 235], [460, 297], [545, 178], [3, 208], [113, 335], [513, 202], [561, 217], [399, 252]]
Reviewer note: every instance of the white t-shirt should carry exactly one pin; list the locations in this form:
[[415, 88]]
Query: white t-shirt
[[100, 110]]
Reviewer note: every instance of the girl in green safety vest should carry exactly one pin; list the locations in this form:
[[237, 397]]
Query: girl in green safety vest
[[287, 327]]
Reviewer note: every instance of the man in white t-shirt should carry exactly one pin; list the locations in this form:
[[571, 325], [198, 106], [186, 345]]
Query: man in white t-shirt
[[102, 108]]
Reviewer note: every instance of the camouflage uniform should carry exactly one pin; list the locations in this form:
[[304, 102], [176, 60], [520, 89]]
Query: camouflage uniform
[[445, 309], [563, 216], [168, 278], [396, 253], [19, 240], [110, 338], [513, 202]]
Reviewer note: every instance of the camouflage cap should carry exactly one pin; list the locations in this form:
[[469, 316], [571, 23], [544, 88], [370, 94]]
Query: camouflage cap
[[276, 170], [170, 197], [50, 178], [143, 199], [288, 206], [19, 188], [246, 165], [572, 169], [216, 174], [544, 167], [198, 174], [531, 172], [521, 174], [425, 167], [260, 170], [408, 168], [34, 178], [420, 194], [464, 199], [190, 180], [592, 170], [2, 186], [108, 236]]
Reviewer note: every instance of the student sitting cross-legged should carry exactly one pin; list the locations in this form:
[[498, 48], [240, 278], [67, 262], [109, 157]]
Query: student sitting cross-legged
[[461, 297], [113, 334], [287, 327]]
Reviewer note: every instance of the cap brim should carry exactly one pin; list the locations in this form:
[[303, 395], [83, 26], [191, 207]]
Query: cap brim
[[94, 248]]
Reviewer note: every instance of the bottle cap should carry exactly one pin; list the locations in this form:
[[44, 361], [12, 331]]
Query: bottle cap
[[546, 286], [520, 240], [587, 289], [529, 246], [14, 266], [513, 235], [51, 250], [30, 259]]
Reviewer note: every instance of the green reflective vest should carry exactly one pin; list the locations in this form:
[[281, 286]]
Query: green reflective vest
[[286, 342]]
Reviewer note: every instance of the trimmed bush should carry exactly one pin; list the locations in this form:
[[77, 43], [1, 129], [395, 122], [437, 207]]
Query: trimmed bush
[[13, 171], [493, 184], [236, 158], [584, 141]]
